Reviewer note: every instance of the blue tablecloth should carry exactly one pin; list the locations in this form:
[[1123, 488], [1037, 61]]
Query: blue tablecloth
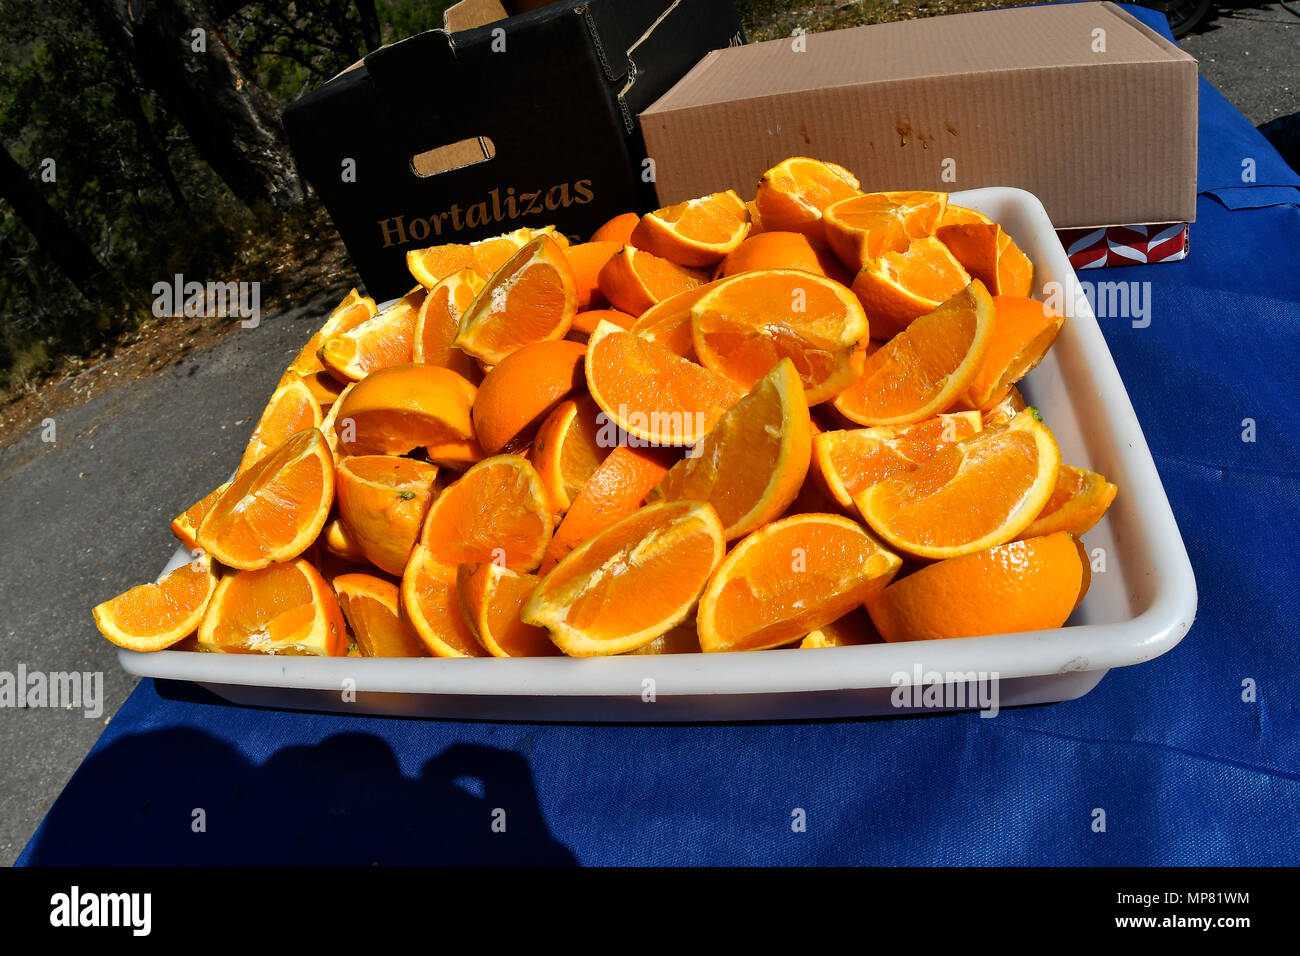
[[1186, 770]]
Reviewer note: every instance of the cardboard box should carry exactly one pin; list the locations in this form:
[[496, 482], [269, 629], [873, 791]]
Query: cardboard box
[[1080, 104], [494, 123]]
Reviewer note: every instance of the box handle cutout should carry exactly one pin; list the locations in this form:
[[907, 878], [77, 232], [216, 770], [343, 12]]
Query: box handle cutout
[[458, 155]]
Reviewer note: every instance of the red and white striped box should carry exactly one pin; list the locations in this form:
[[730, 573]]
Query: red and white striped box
[[1106, 246]]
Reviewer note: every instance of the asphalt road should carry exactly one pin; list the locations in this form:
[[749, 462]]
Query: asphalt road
[[87, 516]]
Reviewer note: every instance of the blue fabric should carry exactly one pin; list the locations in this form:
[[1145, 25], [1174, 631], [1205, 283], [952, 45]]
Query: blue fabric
[[1187, 771]]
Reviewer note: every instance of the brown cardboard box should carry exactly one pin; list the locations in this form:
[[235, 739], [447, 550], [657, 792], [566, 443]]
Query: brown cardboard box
[[1080, 104]]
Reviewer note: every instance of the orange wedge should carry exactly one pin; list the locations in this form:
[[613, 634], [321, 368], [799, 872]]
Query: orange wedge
[[792, 194], [751, 465], [520, 392], [431, 605], [632, 582], [668, 323], [653, 393], [387, 338], [275, 509], [399, 409], [348, 314], [977, 493], [491, 254], [852, 460], [531, 298], [497, 511], [567, 451], [920, 209], [1023, 330], [619, 229], [586, 260], [788, 578], [860, 228], [150, 617], [748, 323], [292, 408], [490, 598], [853, 629], [986, 252], [1005, 410], [898, 287], [1078, 502], [924, 370], [698, 232], [372, 608], [615, 490], [329, 424], [783, 250], [281, 609], [438, 323], [584, 323], [186, 524], [323, 385], [1028, 585], [431, 265], [382, 502], [633, 280]]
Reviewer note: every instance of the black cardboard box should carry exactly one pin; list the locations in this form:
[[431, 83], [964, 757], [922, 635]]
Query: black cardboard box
[[496, 122]]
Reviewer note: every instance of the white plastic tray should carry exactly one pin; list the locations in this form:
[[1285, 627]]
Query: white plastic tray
[[1140, 606]]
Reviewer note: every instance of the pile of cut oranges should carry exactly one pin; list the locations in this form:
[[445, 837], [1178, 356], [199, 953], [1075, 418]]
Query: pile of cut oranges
[[720, 426]]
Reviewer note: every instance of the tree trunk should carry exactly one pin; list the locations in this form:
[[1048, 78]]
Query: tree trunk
[[234, 123], [56, 238], [370, 25]]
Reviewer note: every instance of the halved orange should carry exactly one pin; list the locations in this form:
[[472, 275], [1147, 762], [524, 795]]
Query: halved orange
[[438, 323], [532, 298], [790, 577], [974, 494], [751, 465], [497, 511], [632, 582], [615, 490], [792, 194], [150, 617], [862, 227], [851, 630], [924, 370], [653, 393], [633, 280], [520, 392], [783, 250], [748, 323], [567, 451], [668, 323], [1028, 585], [490, 598], [852, 460], [698, 232], [586, 260], [372, 607], [348, 314], [382, 502], [186, 524], [274, 510], [399, 409], [1023, 330], [1078, 502], [431, 605], [292, 408], [385, 339], [284, 608], [897, 287]]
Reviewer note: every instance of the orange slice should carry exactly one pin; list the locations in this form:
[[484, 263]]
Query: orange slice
[[788, 578], [520, 392], [1023, 330], [752, 464], [653, 393], [1028, 585], [372, 608], [385, 339], [977, 493], [632, 582], [698, 232], [584, 323], [619, 229], [898, 287], [281, 609], [348, 314], [863, 227], [586, 260], [292, 408], [150, 617], [783, 250], [852, 460], [748, 323], [851, 630], [186, 524], [382, 502], [490, 598], [922, 371], [792, 195], [497, 511], [431, 605], [275, 509], [491, 254], [1077, 502], [987, 253], [567, 451], [431, 265], [633, 280], [399, 409], [668, 323], [438, 323], [529, 299]]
